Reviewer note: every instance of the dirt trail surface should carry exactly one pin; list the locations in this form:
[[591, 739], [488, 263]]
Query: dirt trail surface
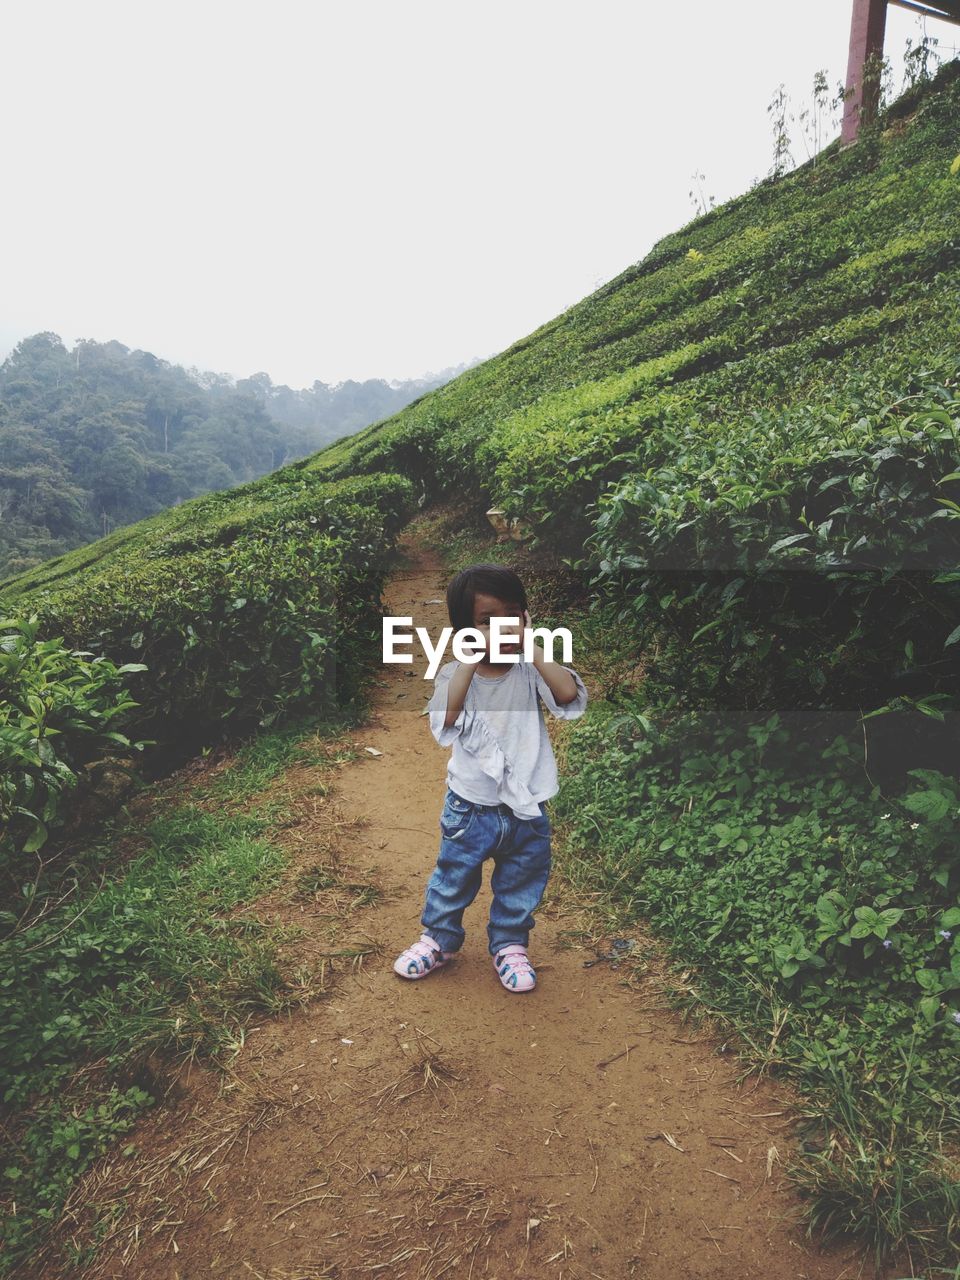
[[446, 1127]]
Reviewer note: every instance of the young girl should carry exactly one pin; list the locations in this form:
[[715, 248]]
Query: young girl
[[501, 771]]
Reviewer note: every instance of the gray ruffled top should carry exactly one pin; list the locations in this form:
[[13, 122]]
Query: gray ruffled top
[[501, 749]]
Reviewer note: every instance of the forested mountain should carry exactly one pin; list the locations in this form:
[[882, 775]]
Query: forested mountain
[[102, 436]]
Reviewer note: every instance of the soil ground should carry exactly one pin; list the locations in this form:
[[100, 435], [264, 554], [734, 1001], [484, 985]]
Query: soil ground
[[446, 1127]]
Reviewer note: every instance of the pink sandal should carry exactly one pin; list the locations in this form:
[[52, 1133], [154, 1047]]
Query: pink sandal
[[514, 968], [423, 957]]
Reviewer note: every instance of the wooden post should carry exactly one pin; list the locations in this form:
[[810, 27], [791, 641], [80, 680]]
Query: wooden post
[[867, 25]]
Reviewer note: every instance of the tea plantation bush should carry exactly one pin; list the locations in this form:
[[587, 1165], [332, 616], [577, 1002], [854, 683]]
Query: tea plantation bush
[[252, 602], [61, 713], [221, 614], [750, 440]]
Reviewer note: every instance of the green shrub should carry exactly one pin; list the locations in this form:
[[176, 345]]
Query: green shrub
[[61, 712], [267, 599]]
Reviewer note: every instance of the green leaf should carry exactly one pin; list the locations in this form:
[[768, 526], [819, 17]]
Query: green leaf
[[787, 542], [929, 1007], [36, 839], [928, 979], [827, 911], [929, 804], [709, 627]]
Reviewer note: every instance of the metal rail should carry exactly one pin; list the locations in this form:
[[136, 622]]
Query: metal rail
[[945, 10]]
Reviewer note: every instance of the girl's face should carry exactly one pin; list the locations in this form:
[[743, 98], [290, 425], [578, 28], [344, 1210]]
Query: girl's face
[[487, 607]]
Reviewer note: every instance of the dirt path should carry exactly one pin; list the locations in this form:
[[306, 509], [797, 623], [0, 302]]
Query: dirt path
[[449, 1128]]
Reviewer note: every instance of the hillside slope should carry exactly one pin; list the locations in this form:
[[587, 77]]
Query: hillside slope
[[772, 387]]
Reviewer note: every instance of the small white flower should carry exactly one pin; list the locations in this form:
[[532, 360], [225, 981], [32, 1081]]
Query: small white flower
[[884, 816], [914, 825]]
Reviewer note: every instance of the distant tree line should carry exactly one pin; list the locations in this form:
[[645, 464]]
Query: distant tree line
[[102, 436], [328, 412]]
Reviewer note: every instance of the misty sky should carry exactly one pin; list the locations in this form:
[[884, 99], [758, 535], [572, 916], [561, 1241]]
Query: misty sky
[[377, 188]]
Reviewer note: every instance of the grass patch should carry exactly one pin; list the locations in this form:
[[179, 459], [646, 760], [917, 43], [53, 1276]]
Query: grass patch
[[266, 756], [810, 914], [140, 957]]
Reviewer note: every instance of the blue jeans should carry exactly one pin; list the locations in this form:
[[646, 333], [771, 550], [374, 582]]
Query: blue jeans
[[520, 848]]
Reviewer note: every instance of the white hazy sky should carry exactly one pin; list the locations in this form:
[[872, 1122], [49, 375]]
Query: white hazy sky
[[375, 188]]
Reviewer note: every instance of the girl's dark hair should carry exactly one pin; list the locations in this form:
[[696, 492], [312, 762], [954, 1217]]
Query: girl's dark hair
[[489, 580]]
